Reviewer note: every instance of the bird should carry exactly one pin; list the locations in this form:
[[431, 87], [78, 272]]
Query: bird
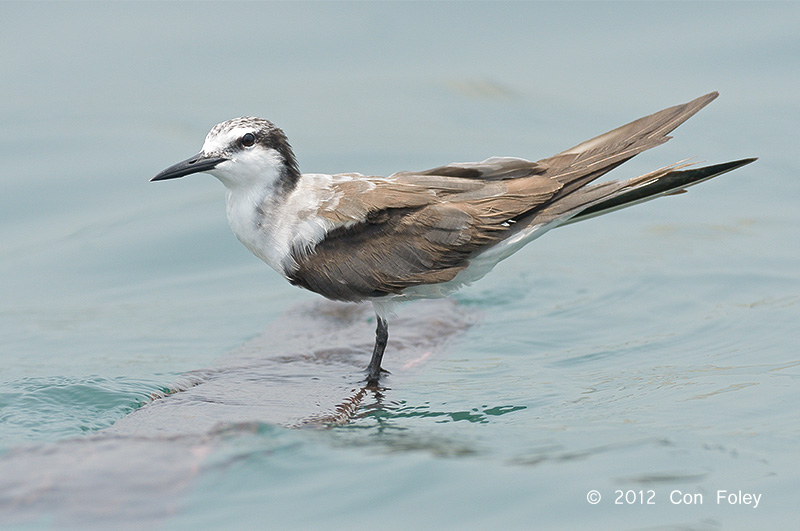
[[421, 234]]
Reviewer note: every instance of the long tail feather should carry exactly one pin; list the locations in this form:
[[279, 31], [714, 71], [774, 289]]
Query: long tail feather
[[672, 182]]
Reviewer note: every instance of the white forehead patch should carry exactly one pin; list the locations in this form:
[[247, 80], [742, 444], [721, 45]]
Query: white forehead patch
[[220, 140], [224, 135]]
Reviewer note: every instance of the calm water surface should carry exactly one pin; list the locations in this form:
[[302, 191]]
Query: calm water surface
[[154, 373]]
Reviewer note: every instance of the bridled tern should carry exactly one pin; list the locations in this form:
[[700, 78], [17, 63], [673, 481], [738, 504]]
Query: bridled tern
[[420, 234]]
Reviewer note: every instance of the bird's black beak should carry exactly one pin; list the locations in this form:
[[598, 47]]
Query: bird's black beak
[[198, 163]]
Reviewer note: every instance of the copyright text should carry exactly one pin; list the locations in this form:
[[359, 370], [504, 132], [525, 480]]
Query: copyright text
[[678, 497]]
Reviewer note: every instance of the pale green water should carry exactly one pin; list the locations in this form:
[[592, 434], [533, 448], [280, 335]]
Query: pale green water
[[655, 349]]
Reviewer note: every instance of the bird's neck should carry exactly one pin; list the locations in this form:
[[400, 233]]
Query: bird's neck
[[276, 226], [249, 209]]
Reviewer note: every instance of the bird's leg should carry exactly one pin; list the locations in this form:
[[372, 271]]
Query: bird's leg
[[374, 368]]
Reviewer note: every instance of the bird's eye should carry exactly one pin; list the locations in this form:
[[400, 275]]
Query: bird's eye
[[248, 140]]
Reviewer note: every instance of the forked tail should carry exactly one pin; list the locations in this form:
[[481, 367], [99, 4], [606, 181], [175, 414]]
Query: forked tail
[[671, 182]]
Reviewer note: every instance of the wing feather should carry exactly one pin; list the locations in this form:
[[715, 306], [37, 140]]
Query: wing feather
[[415, 228]]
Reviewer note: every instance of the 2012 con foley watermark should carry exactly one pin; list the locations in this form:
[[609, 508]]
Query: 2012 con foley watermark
[[678, 497]]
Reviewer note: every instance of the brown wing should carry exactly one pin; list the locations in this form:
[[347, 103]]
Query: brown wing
[[423, 228], [423, 238]]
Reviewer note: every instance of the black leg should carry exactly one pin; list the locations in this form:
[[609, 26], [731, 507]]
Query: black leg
[[374, 368]]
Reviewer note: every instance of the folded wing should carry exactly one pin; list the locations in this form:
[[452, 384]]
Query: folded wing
[[416, 228]]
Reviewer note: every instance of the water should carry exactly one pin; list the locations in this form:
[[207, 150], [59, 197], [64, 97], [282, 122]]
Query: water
[[156, 374]]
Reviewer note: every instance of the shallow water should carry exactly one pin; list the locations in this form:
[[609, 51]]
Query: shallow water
[[156, 374]]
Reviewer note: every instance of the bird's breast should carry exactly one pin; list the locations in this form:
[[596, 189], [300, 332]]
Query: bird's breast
[[276, 228]]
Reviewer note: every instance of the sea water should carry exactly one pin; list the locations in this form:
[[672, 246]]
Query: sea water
[[637, 370]]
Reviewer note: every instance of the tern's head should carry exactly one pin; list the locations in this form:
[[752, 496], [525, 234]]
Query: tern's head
[[242, 152]]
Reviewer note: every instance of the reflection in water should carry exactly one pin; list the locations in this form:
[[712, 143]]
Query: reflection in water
[[304, 371], [344, 412]]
